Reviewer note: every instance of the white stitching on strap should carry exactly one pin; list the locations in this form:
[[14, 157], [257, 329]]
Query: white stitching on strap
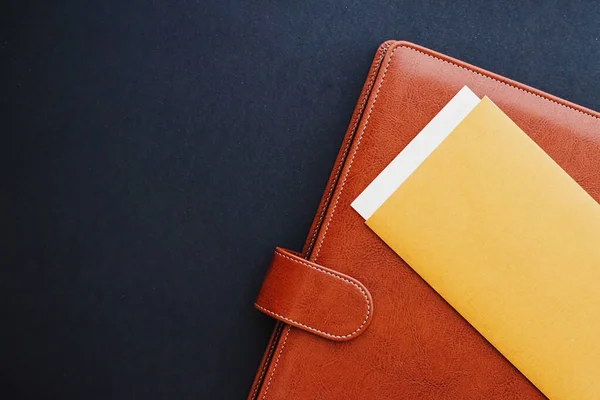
[[316, 268]]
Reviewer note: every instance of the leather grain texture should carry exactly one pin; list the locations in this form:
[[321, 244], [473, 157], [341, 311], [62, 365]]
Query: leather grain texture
[[314, 298], [417, 346]]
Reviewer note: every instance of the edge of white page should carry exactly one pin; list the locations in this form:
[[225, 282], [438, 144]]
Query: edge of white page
[[409, 159]]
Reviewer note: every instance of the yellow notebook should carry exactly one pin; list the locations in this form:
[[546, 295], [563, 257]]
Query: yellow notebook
[[498, 229]]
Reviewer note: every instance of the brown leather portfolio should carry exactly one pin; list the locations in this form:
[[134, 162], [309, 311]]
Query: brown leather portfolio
[[354, 320]]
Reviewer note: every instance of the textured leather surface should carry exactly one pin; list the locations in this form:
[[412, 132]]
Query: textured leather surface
[[417, 346], [314, 298]]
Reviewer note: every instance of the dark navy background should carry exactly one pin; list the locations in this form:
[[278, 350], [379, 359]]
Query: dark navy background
[[154, 153]]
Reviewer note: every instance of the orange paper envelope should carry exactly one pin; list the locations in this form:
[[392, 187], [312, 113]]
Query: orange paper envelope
[[512, 242]]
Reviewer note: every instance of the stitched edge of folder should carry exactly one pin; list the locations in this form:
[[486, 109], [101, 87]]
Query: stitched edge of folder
[[287, 333], [349, 142], [337, 199], [505, 83], [266, 363], [373, 106], [382, 54], [333, 274]]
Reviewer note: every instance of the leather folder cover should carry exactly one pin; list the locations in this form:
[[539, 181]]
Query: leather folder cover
[[354, 320]]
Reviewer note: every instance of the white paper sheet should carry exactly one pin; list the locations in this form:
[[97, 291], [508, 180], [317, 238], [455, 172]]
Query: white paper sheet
[[415, 153]]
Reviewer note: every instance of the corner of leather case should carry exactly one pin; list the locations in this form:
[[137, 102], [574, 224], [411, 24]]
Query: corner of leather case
[[314, 298]]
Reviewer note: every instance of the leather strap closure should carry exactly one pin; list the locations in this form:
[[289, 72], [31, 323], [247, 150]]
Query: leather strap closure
[[314, 298]]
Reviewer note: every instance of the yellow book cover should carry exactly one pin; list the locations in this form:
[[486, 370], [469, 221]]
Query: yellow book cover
[[512, 242]]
